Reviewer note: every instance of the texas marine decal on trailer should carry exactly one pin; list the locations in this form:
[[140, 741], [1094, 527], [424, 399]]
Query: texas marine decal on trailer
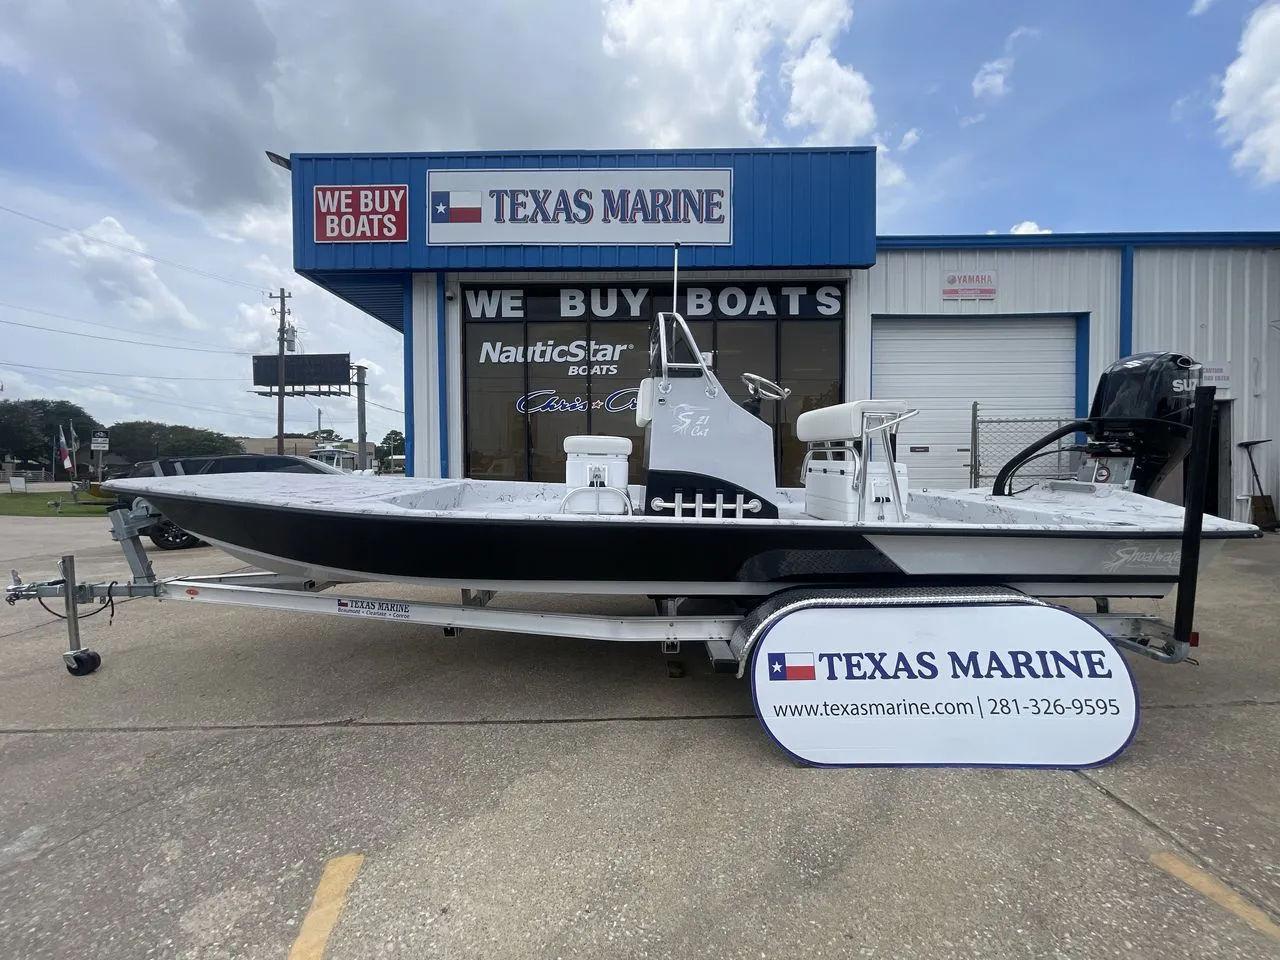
[[992, 684], [612, 207]]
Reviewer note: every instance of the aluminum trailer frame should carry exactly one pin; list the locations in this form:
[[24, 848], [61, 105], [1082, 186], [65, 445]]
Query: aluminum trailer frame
[[1139, 633]]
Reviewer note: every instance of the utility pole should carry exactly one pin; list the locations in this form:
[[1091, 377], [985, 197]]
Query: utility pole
[[319, 414], [362, 458], [282, 312]]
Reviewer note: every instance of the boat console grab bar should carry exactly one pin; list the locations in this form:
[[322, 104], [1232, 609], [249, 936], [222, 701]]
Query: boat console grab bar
[[664, 384]]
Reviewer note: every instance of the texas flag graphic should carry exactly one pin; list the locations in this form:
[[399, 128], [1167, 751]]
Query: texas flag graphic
[[791, 666], [455, 206]]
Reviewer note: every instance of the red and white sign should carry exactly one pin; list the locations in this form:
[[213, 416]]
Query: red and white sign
[[362, 214], [970, 285]]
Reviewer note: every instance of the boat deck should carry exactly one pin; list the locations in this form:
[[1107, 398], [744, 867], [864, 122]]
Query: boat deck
[[1052, 505]]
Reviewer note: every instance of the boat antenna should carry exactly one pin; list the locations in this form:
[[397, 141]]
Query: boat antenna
[[675, 277]]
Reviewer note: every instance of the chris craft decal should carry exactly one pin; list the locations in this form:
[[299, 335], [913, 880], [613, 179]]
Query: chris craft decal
[[987, 685]]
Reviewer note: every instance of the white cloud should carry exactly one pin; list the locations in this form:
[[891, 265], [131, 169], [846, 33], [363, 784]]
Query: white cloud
[[1029, 226], [829, 98], [992, 78], [1248, 111], [909, 140], [1199, 7], [971, 119], [119, 278]]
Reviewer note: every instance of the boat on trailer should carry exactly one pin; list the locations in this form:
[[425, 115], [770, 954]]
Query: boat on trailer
[[710, 522]]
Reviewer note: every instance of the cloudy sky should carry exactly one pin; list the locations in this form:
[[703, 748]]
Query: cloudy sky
[[133, 127]]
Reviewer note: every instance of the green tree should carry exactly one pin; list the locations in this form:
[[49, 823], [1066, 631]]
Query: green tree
[[145, 439], [327, 436], [20, 436], [29, 428], [392, 444]]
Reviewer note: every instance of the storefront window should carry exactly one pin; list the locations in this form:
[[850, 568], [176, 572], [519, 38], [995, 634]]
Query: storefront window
[[544, 363]]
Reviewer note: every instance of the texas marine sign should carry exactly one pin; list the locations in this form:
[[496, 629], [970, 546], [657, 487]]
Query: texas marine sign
[[516, 211]]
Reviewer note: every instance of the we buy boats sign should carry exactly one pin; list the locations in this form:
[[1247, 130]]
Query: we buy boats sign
[[374, 213]]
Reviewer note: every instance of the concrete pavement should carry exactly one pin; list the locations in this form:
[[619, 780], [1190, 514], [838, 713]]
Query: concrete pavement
[[519, 796]]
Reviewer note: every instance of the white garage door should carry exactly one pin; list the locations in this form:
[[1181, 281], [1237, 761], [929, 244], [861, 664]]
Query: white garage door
[[1019, 367]]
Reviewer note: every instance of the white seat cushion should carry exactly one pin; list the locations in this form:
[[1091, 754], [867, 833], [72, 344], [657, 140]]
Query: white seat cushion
[[644, 402], [843, 421], [600, 446]]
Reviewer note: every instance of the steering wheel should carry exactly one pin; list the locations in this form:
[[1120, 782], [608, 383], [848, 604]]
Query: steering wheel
[[758, 386]]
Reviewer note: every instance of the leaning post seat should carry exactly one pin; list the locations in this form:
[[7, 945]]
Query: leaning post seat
[[595, 471], [839, 479]]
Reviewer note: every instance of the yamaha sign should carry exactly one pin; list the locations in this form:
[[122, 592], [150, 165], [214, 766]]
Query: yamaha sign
[[614, 207]]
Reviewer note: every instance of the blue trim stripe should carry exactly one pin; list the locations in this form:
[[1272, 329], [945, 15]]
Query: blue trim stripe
[[1227, 238], [407, 326], [1126, 300], [442, 376], [1082, 364]]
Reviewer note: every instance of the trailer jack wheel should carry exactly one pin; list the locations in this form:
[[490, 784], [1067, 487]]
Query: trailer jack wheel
[[81, 663]]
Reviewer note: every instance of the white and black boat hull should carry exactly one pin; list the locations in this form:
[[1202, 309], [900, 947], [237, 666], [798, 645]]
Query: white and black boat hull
[[657, 556]]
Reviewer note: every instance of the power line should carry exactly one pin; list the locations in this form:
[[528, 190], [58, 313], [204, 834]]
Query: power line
[[133, 343], [374, 403], [104, 373], [137, 253], [98, 323]]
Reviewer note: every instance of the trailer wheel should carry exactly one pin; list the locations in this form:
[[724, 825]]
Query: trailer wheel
[[82, 662]]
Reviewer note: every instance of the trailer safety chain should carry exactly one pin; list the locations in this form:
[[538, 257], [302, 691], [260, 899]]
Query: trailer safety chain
[[108, 603]]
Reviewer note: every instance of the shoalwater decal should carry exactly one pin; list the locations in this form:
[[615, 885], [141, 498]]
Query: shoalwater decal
[[1149, 559], [983, 685], [375, 609]]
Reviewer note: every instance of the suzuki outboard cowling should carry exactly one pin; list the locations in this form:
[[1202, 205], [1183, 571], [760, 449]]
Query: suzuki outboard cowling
[[1142, 410], [1139, 426]]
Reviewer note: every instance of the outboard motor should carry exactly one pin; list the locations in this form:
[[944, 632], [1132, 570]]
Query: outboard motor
[[1141, 420], [1139, 426]]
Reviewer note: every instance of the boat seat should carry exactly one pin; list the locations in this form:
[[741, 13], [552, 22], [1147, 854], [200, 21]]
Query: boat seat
[[644, 402], [842, 421], [598, 446]]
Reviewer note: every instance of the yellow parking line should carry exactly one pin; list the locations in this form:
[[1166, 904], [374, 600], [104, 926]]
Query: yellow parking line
[[1217, 891], [331, 894]]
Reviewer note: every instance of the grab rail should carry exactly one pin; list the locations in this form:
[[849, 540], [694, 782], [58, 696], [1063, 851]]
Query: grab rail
[[664, 385]]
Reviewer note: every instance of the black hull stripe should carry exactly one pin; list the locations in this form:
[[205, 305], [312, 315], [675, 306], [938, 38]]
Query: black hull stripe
[[448, 548]]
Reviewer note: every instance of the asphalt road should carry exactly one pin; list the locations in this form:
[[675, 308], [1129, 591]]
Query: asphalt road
[[240, 783]]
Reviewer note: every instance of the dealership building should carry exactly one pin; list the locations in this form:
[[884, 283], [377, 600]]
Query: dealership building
[[525, 284]]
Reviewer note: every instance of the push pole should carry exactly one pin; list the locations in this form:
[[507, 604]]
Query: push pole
[[1193, 516], [362, 457]]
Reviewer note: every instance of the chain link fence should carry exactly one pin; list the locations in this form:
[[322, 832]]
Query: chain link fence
[[996, 439]]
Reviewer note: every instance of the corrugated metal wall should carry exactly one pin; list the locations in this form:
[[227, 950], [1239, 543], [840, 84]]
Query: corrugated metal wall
[[909, 282], [1220, 304]]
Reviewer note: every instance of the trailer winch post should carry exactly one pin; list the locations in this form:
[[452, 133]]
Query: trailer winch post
[[1193, 520]]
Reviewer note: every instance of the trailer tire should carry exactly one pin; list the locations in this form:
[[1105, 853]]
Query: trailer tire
[[83, 662]]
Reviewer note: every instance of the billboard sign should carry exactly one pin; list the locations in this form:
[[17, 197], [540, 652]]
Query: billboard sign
[[303, 370], [616, 207], [370, 213]]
